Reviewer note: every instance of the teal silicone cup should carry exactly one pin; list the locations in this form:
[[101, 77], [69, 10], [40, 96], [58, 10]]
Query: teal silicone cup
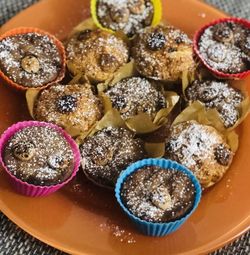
[[150, 228]]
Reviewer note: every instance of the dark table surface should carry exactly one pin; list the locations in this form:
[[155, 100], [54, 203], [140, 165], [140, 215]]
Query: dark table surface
[[13, 240]]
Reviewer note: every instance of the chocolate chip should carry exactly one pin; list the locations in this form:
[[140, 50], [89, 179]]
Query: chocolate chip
[[216, 52], [108, 63], [57, 162], [222, 33], [30, 64], [24, 150], [171, 49], [85, 34], [66, 104], [207, 94], [223, 155], [136, 6], [156, 41], [179, 40]]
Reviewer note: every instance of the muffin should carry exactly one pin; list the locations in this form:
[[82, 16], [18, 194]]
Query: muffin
[[158, 195], [155, 194], [135, 95], [95, 54], [30, 58], [162, 53], [39, 155], [69, 106], [106, 154], [201, 149], [219, 95], [225, 47], [126, 15]]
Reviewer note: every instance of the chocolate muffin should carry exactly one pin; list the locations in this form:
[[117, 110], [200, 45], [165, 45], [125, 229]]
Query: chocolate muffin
[[39, 155], [106, 154], [31, 60], [225, 47], [201, 149], [95, 54], [128, 16], [68, 106], [159, 195], [135, 95], [219, 95], [162, 53]]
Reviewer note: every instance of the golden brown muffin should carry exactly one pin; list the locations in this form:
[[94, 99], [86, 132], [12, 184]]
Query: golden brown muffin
[[201, 149], [125, 15], [68, 106], [163, 53], [96, 54]]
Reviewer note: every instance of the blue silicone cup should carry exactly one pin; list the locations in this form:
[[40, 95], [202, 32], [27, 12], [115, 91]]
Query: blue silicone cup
[[150, 228]]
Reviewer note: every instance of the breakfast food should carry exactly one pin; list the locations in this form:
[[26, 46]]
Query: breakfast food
[[219, 95], [125, 15], [158, 195], [135, 95], [69, 106], [30, 58], [224, 47], [95, 54], [200, 148], [107, 153], [163, 53], [39, 158]]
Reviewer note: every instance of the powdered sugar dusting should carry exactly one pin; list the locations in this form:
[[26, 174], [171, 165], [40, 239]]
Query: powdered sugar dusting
[[49, 147], [127, 15], [14, 48], [136, 95]]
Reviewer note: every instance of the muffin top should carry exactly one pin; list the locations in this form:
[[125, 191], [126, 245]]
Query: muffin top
[[96, 54], [31, 60], [135, 95], [162, 53], [155, 194], [201, 149], [109, 152], [39, 155], [219, 95], [128, 16], [226, 47], [68, 106]]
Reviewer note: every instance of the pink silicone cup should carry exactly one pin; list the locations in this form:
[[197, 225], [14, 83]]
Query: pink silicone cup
[[30, 189], [217, 73]]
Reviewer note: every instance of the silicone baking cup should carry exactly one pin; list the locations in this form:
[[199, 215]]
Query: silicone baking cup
[[156, 18], [30, 189], [59, 45], [217, 73], [150, 228]]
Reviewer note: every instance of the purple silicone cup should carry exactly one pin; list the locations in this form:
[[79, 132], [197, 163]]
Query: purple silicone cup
[[29, 189]]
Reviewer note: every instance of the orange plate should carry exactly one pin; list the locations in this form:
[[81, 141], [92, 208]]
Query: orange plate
[[84, 219]]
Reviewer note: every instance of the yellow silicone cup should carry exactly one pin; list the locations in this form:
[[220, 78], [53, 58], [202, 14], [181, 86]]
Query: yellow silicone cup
[[156, 18]]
